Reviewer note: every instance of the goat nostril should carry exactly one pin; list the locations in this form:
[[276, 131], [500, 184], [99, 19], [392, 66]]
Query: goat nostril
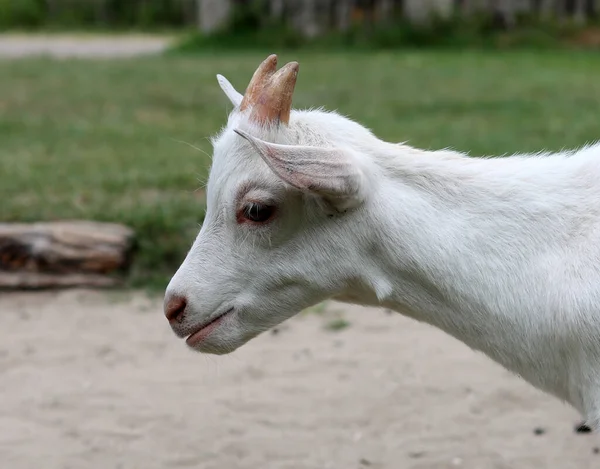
[[175, 308]]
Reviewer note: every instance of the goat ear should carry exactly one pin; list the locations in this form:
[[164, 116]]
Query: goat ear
[[230, 91], [331, 173]]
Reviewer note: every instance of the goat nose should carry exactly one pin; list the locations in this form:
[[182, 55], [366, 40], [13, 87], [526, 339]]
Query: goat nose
[[175, 308]]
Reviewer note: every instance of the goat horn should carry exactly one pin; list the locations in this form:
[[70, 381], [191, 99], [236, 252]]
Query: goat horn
[[274, 103], [260, 78]]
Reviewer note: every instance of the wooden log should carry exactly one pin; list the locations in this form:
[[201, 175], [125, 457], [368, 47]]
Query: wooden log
[[37, 281], [63, 254]]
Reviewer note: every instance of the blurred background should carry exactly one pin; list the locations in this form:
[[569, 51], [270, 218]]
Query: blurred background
[[106, 107]]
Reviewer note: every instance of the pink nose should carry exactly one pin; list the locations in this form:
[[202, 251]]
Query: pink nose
[[175, 308]]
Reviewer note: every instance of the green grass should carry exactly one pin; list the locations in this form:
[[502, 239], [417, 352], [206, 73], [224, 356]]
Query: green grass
[[99, 139], [337, 324]]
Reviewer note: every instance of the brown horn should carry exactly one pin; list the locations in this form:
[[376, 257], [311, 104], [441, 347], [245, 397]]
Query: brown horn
[[261, 76], [274, 102]]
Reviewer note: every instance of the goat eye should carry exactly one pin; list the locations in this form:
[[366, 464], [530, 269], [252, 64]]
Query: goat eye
[[258, 213]]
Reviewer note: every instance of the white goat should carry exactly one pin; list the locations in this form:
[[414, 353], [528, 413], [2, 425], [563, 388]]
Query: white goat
[[501, 253]]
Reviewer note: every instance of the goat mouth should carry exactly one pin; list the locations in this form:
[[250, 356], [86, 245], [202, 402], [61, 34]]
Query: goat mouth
[[205, 329]]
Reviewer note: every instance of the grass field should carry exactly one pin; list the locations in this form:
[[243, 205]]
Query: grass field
[[101, 140]]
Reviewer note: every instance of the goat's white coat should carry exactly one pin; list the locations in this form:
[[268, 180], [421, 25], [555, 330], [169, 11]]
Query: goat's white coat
[[503, 254]]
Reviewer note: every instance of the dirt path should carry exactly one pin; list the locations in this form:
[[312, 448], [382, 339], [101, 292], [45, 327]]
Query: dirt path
[[88, 46], [92, 380]]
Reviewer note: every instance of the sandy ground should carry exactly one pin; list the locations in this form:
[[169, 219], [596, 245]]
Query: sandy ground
[[80, 46], [97, 380]]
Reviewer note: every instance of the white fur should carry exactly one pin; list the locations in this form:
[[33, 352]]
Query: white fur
[[501, 253]]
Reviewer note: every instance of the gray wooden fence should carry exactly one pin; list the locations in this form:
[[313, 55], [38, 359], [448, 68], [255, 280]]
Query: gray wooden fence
[[311, 17], [314, 16]]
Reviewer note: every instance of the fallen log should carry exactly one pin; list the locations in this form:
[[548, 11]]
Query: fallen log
[[63, 254]]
